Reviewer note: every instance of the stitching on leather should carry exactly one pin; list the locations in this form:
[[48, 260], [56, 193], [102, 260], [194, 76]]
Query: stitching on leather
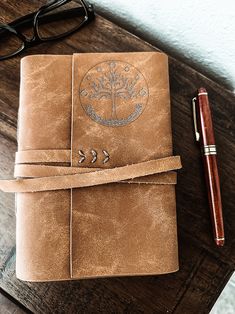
[[94, 154], [82, 155], [107, 156]]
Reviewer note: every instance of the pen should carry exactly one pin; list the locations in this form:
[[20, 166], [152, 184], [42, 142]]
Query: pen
[[205, 136]]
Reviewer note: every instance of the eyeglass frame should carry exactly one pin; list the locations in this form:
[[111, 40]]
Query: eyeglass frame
[[35, 16]]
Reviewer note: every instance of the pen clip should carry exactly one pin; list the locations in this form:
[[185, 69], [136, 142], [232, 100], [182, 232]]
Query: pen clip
[[197, 134]]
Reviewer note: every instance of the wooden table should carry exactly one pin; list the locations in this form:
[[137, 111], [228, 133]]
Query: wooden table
[[204, 269]]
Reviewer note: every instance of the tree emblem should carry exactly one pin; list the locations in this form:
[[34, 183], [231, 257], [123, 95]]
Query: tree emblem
[[113, 93]]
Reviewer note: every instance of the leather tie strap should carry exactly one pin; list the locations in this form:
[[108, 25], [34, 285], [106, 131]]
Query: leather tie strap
[[32, 171], [97, 177], [48, 155]]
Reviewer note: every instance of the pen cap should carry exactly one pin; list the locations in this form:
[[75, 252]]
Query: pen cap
[[205, 118]]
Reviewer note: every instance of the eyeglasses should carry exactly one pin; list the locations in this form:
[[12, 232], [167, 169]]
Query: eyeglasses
[[47, 23]]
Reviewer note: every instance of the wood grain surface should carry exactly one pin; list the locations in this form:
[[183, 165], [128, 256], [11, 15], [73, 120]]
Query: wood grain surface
[[10, 306], [204, 268]]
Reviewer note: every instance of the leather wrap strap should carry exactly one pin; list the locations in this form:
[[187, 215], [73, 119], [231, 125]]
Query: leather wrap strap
[[34, 156], [32, 171], [97, 177]]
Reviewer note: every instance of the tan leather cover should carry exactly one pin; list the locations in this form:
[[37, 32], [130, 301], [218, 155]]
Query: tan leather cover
[[100, 110]]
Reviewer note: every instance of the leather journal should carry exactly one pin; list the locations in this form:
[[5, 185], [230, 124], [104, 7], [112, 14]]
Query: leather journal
[[94, 171]]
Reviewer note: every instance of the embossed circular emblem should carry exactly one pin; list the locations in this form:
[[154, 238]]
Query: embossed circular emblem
[[113, 93]]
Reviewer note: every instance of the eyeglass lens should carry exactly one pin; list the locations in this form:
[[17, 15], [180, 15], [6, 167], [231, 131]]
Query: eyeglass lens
[[48, 28], [9, 43]]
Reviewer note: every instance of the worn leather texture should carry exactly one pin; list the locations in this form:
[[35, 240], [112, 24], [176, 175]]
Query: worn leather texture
[[109, 110]]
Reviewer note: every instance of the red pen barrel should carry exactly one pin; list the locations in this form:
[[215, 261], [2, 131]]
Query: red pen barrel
[[214, 197], [208, 147]]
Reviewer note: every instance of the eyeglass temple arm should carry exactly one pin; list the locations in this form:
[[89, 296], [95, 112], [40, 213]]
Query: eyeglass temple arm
[[28, 19]]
